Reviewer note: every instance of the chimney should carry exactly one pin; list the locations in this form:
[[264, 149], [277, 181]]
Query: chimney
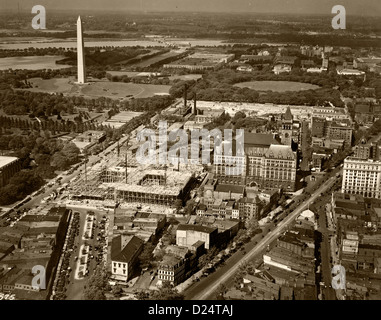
[[195, 104], [185, 95]]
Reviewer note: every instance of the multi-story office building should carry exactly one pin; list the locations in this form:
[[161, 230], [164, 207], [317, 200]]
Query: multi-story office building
[[368, 150], [266, 164], [249, 208], [340, 131], [362, 177], [279, 169], [230, 169], [318, 127]]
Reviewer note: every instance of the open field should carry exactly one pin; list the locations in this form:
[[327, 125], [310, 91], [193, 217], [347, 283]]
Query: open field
[[121, 90], [95, 89], [24, 43], [185, 77], [32, 63], [278, 86], [60, 85], [150, 61]]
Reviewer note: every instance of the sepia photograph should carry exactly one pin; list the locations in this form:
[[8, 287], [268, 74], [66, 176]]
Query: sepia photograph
[[213, 152]]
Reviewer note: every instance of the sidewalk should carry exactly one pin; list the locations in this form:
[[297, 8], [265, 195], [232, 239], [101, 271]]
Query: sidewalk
[[187, 283]]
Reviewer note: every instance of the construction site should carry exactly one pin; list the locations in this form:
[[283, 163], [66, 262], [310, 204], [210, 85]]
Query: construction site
[[152, 186], [120, 179]]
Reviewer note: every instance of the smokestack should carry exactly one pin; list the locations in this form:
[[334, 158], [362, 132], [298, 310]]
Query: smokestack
[[185, 95], [195, 104]]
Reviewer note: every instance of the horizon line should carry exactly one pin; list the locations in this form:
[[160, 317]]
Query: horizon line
[[124, 11]]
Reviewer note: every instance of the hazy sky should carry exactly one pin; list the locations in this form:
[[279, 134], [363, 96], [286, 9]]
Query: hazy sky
[[359, 7]]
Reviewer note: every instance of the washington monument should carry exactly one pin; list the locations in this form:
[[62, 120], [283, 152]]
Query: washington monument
[[80, 53]]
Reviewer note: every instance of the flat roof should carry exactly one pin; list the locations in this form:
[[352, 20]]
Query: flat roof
[[6, 160], [196, 227]]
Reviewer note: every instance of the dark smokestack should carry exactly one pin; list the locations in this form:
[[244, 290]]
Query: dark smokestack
[[195, 104], [185, 95]]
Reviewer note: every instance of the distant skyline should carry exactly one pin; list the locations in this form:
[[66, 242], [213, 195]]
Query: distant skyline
[[353, 7]]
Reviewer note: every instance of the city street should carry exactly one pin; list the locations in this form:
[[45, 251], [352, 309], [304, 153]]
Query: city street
[[205, 289]]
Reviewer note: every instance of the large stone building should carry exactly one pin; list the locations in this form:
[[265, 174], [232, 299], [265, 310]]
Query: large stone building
[[362, 177], [290, 129], [279, 169], [266, 164], [9, 166], [368, 149], [334, 130], [341, 130]]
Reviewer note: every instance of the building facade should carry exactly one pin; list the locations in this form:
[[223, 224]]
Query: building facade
[[187, 235], [125, 251], [362, 177], [266, 164], [339, 131]]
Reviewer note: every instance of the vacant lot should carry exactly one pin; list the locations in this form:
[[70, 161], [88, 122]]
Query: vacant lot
[[278, 86], [95, 89]]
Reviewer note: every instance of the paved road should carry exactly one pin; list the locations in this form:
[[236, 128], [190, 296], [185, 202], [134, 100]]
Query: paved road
[[325, 251], [206, 290], [92, 159], [304, 142]]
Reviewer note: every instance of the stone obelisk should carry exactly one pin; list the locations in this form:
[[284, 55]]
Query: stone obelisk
[[80, 53]]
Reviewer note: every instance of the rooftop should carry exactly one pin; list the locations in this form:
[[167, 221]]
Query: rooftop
[[169, 260], [123, 248], [278, 151], [230, 188], [196, 227], [259, 139], [6, 160]]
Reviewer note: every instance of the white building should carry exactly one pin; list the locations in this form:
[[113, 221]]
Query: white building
[[362, 177], [125, 251]]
